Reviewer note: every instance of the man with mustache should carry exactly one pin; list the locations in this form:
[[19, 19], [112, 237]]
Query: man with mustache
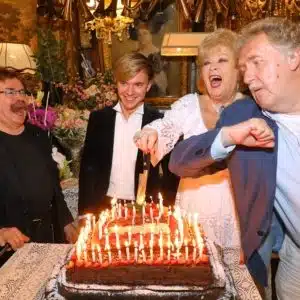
[[32, 207], [261, 143]]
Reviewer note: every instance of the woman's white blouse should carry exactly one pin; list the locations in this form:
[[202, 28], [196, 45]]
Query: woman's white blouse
[[209, 195]]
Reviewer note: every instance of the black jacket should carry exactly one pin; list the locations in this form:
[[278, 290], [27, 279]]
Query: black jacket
[[15, 208], [96, 164]]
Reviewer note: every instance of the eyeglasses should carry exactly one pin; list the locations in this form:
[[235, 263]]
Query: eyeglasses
[[13, 92]]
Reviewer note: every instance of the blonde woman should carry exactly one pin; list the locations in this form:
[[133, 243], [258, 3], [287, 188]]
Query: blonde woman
[[208, 195]]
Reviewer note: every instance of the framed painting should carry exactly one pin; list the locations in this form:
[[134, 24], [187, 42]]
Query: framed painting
[[170, 80]]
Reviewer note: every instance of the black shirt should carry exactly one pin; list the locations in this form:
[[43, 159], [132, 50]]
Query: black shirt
[[26, 171]]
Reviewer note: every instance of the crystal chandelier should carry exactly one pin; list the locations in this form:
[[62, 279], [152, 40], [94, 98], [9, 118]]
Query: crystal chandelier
[[108, 20]]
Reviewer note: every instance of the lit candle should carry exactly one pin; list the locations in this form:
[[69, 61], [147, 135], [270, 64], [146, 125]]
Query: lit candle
[[129, 235], [143, 255], [151, 247], [78, 250], [169, 251], [161, 204], [199, 239], [177, 244], [99, 253], [94, 222], [142, 240], [194, 250], [143, 213], [169, 239], [135, 251], [119, 252], [125, 211], [93, 253], [113, 208], [127, 250], [100, 227], [152, 235], [133, 214], [161, 248], [200, 247], [106, 238], [169, 214], [151, 214], [117, 236], [85, 253], [186, 249], [119, 210], [109, 254]]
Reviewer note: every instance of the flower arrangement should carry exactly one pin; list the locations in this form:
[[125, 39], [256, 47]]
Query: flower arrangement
[[98, 92], [70, 125]]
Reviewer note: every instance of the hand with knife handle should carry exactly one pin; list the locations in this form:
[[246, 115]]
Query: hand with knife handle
[[146, 140], [12, 237]]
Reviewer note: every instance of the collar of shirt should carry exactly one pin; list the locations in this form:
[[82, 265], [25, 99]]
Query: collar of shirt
[[285, 122], [138, 111]]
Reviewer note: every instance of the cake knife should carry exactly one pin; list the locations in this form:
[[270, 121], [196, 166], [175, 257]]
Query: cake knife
[[143, 177]]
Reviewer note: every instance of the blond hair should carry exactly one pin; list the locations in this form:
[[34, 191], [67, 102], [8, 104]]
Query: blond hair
[[283, 33], [220, 37], [128, 65]]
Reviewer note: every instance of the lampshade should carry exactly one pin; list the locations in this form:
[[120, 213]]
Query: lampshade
[[182, 43], [17, 57]]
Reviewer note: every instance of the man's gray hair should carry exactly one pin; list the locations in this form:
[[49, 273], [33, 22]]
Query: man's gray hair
[[281, 32]]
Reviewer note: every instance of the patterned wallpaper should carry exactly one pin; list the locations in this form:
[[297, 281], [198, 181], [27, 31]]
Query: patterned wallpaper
[[18, 21]]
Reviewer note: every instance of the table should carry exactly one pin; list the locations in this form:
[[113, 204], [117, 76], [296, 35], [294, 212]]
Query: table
[[25, 274]]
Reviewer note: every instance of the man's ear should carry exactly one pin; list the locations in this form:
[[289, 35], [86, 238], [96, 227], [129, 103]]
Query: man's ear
[[149, 85], [294, 59]]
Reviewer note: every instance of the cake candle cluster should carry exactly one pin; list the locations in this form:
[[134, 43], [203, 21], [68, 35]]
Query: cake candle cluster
[[149, 234]]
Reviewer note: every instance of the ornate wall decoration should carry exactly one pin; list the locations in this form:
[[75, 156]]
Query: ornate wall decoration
[[18, 21]]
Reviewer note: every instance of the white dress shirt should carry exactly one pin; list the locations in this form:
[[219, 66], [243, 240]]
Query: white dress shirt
[[121, 182]]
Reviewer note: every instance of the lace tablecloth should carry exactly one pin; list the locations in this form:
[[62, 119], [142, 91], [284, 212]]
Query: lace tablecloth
[[25, 274]]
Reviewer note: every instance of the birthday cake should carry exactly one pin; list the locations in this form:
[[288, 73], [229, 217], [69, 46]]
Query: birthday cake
[[148, 252]]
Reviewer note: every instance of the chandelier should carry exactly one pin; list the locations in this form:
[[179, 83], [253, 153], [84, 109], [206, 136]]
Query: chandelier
[[108, 20]]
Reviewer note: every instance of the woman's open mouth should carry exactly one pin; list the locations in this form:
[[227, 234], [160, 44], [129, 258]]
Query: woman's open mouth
[[215, 81]]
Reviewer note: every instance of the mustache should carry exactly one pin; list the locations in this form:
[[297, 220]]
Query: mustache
[[18, 106]]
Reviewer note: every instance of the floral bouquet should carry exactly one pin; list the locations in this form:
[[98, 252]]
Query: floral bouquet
[[42, 117], [70, 126], [97, 93]]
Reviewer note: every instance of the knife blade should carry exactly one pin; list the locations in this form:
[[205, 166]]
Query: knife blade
[[143, 177]]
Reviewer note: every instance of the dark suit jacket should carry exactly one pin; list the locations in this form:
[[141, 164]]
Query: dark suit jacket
[[13, 206], [253, 176], [97, 161]]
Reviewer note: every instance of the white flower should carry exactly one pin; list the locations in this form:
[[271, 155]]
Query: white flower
[[58, 158], [92, 90]]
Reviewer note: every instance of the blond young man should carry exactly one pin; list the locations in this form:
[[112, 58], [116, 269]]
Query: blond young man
[[111, 163]]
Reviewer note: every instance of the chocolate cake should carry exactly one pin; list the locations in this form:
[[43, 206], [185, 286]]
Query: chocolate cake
[[171, 260]]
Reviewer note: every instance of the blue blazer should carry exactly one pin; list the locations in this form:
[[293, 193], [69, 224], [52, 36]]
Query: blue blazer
[[253, 176]]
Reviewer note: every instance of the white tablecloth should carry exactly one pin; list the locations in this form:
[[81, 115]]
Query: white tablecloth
[[25, 274]]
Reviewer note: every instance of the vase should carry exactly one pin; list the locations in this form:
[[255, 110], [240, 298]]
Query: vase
[[74, 147]]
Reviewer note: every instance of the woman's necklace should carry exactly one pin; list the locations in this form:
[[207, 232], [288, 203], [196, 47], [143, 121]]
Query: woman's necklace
[[217, 107]]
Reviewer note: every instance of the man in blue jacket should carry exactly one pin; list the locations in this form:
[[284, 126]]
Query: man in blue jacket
[[261, 142]]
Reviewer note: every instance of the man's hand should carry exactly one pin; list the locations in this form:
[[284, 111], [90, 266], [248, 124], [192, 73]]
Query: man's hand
[[13, 236], [251, 133], [71, 233], [146, 140]]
